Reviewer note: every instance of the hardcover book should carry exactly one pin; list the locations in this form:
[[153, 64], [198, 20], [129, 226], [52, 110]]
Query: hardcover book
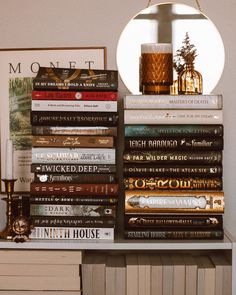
[[183, 222], [86, 189], [175, 235], [173, 157], [174, 143], [72, 210], [72, 221], [74, 130], [177, 171], [73, 178], [73, 168], [168, 130], [145, 202], [210, 101], [72, 233], [74, 106], [173, 116], [73, 95], [75, 79], [170, 183], [42, 118], [74, 200], [73, 141], [74, 156]]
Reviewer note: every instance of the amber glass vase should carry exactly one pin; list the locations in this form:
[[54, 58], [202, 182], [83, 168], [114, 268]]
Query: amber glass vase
[[190, 81]]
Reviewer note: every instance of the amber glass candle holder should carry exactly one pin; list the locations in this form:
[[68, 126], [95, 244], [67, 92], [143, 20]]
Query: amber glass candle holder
[[156, 68]]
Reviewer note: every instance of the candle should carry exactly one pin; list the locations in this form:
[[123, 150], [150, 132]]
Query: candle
[[9, 160]]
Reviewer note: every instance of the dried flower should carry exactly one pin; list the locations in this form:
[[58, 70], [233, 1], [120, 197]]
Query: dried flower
[[185, 55]]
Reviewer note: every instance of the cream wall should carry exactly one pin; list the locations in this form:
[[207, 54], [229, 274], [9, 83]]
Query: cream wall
[[57, 23]]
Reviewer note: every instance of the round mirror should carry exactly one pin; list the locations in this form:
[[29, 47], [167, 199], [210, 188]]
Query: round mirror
[[169, 23]]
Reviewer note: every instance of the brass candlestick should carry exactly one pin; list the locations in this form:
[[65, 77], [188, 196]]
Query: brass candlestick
[[7, 233]]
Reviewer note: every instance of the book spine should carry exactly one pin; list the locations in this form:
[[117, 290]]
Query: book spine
[[72, 210], [180, 222], [75, 79], [164, 235], [73, 95], [73, 200], [173, 117], [175, 157], [72, 233], [74, 178], [181, 143], [143, 201], [74, 156], [173, 102], [72, 221], [74, 106], [174, 131], [73, 168], [73, 118], [152, 170], [73, 141], [73, 189], [75, 130], [169, 183]]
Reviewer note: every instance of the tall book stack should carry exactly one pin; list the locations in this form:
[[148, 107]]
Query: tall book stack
[[74, 124], [173, 167]]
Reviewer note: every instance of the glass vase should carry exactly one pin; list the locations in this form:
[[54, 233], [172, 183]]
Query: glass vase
[[190, 81]]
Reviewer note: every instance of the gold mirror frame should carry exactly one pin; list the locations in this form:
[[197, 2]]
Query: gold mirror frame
[[172, 21]]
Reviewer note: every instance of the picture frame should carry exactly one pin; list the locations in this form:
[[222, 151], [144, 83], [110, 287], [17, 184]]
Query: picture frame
[[18, 66]]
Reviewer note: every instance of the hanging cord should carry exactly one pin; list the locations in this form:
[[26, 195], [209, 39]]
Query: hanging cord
[[197, 1], [149, 2], [198, 5]]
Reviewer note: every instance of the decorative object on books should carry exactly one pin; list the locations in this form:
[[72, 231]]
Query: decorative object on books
[[189, 80], [21, 226], [163, 23], [156, 68], [18, 67]]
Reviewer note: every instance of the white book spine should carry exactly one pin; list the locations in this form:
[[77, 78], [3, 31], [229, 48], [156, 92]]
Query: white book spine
[[74, 106], [73, 156], [72, 233], [173, 117], [173, 102]]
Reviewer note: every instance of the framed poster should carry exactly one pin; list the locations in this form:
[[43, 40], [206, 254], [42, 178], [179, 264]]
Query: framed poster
[[17, 69]]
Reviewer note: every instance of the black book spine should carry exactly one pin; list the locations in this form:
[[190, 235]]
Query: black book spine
[[175, 157], [177, 171], [181, 143], [170, 183], [73, 168], [173, 235], [174, 222], [49, 78], [73, 118]]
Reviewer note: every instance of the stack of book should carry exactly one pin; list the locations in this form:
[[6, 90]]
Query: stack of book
[[173, 167], [74, 121]]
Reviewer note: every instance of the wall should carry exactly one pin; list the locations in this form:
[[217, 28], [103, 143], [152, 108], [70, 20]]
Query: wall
[[58, 23]]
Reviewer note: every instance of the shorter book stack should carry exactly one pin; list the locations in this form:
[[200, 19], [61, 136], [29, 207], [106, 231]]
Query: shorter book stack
[[74, 124], [173, 167]]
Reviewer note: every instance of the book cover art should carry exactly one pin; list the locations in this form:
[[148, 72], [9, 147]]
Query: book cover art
[[75, 79], [144, 201]]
